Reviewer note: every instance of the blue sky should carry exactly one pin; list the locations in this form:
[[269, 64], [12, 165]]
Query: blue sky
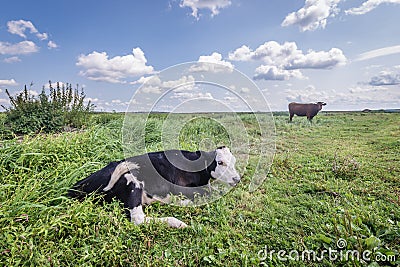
[[343, 52]]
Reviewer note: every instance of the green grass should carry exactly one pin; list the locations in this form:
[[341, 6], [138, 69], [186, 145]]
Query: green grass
[[336, 178]]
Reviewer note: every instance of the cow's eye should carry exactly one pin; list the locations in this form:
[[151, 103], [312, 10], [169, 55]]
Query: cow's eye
[[220, 163]]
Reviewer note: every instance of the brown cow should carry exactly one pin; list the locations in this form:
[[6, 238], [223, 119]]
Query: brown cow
[[309, 110]]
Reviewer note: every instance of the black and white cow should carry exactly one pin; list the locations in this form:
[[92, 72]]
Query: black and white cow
[[156, 176]]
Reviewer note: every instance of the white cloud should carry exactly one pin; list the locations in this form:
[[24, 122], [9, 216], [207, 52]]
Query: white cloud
[[11, 82], [313, 15], [19, 28], [245, 90], [12, 59], [318, 60], [268, 72], [308, 95], [98, 67], [153, 84], [30, 92], [192, 95], [55, 84], [289, 56], [51, 45], [24, 47], [93, 100], [42, 36], [284, 61], [231, 99], [184, 83], [386, 78], [243, 53], [217, 64], [366, 96], [213, 5], [368, 6], [361, 89], [379, 53]]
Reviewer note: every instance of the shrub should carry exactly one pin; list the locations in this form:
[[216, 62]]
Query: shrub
[[64, 106]]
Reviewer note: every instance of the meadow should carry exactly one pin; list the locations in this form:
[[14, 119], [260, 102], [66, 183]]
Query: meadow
[[337, 179]]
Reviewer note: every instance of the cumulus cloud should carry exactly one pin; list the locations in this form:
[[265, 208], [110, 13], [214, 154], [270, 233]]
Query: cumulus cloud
[[318, 60], [24, 47], [243, 53], [217, 64], [19, 27], [385, 78], [312, 15], [368, 6], [51, 45], [268, 72], [99, 67], [214, 6], [153, 84], [289, 56], [10, 82], [284, 61]]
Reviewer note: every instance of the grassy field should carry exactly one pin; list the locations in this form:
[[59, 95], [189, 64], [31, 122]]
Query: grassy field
[[337, 179]]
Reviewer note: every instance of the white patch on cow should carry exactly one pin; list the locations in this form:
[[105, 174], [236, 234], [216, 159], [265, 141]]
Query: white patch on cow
[[137, 215], [225, 170], [169, 199], [130, 178], [146, 199], [120, 170]]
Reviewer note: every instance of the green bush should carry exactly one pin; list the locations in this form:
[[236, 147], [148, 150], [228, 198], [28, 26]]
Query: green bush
[[64, 106]]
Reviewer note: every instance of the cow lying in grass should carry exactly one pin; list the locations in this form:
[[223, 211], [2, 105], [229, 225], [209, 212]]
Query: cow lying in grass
[[156, 176]]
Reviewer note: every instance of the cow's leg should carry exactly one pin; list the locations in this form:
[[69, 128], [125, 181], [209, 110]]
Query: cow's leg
[[138, 217], [171, 221], [130, 193], [291, 117]]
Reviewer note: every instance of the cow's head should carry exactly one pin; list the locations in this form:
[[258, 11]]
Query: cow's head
[[225, 167], [320, 104]]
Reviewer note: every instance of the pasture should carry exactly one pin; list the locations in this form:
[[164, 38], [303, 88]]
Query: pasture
[[338, 178]]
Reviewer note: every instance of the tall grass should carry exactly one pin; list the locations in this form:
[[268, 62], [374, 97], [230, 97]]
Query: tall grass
[[303, 204], [63, 106]]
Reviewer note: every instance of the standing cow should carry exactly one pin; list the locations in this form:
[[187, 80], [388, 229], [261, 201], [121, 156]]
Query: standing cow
[[309, 110]]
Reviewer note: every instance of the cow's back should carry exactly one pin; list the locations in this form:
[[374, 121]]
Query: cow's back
[[298, 109]]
